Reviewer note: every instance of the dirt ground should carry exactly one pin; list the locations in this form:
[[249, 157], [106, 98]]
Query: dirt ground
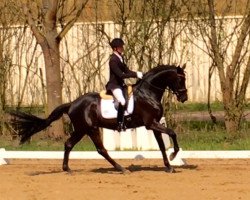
[[96, 180]]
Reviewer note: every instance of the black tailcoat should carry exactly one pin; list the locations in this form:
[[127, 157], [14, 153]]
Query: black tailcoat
[[118, 71]]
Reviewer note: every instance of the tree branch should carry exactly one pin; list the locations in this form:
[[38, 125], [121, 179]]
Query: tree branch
[[50, 10], [245, 82], [73, 18], [32, 23], [214, 42], [240, 42]]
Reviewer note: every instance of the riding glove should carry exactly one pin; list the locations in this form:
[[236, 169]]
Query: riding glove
[[139, 75]]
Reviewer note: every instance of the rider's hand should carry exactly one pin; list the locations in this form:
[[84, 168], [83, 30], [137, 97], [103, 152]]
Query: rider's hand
[[139, 75]]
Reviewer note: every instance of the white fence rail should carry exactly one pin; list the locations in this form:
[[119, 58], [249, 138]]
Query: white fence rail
[[178, 161]]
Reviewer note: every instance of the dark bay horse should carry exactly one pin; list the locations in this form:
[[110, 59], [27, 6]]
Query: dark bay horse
[[84, 113]]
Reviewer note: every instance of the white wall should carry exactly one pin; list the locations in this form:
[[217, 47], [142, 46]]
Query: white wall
[[76, 67]]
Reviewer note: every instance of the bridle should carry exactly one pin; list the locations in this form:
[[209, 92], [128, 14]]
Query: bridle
[[176, 92], [182, 89]]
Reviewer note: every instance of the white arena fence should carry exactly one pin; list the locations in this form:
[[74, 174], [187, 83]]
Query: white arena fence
[[178, 161]]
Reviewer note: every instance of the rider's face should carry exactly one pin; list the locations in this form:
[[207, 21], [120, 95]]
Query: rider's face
[[120, 49]]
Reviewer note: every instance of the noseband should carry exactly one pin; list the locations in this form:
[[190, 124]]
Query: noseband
[[180, 90]]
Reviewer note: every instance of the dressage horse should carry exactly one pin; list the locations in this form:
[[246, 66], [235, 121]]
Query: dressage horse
[[85, 114]]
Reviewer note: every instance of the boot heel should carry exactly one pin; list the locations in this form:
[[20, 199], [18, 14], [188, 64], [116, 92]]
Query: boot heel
[[120, 127]]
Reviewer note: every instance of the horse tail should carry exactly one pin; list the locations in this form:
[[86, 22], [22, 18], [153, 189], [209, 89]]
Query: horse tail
[[28, 124]]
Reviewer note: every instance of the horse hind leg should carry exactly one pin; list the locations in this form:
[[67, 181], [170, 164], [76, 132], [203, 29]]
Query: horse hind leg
[[76, 136], [161, 144], [96, 138]]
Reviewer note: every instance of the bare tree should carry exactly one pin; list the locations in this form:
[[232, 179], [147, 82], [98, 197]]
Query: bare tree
[[44, 18], [8, 16], [83, 72], [228, 50]]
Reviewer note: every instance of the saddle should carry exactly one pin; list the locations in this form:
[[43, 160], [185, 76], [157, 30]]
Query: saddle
[[107, 104], [104, 95]]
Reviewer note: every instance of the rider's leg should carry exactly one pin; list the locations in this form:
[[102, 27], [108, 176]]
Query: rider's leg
[[121, 108], [120, 118]]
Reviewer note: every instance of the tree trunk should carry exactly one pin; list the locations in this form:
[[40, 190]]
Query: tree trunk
[[233, 113], [2, 88], [54, 87], [43, 19], [1, 101], [232, 119]]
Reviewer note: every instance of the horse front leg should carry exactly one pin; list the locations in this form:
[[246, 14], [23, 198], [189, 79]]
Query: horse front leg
[[158, 137], [156, 126]]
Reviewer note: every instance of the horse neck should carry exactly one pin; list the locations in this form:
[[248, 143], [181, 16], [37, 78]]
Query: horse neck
[[152, 90]]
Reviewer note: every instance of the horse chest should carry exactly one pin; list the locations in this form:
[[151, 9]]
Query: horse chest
[[151, 106]]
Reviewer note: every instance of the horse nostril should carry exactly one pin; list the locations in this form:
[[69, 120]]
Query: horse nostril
[[185, 98]]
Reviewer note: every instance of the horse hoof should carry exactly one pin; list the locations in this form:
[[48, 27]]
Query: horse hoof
[[125, 171], [170, 170], [172, 156], [66, 169]]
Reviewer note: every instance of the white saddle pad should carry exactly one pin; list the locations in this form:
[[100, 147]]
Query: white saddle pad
[[108, 110]]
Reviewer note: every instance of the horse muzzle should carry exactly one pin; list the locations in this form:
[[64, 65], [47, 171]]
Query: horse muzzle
[[182, 95], [183, 98]]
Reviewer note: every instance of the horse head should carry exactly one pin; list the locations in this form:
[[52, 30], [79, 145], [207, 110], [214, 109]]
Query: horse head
[[165, 77], [180, 89]]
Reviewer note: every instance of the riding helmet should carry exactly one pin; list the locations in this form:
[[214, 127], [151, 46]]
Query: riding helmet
[[116, 42]]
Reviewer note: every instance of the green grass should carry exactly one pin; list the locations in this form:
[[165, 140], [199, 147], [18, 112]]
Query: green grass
[[214, 140], [195, 139], [192, 135], [195, 107], [44, 144], [203, 135], [36, 110]]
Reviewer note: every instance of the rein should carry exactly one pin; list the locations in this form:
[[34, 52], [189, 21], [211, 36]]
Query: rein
[[154, 86], [161, 89], [150, 84]]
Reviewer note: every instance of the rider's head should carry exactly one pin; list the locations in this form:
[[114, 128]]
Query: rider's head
[[117, 45]]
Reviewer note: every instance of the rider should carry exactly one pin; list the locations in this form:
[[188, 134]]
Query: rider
[[118, 72]]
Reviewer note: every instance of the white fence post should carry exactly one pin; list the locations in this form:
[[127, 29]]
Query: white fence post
[[126, 140], [111, 139], [139, 139], [3, 161]]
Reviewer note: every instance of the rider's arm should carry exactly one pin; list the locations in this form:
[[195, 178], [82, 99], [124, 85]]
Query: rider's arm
[[138, 74], [118, 72]]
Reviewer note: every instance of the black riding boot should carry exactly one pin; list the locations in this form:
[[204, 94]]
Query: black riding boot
[[120, 118]]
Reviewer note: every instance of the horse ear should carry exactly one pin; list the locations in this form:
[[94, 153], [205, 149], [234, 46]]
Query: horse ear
[[184, 66]]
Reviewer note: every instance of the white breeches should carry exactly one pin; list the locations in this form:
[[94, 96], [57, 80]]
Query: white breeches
[[119, 96]]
